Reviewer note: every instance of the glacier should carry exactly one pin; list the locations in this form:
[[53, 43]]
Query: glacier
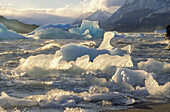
[[92, 26], [6, 34]]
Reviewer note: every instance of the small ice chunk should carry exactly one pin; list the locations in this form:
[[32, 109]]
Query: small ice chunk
[[106, 41], [154, 66], [98, 89], [34, 64], [10, 102], [63, 98], [105, 62], [70, 103], [133, 77], [100, 97], [90, 80], [91, 26], [37, 98], [155, 89]]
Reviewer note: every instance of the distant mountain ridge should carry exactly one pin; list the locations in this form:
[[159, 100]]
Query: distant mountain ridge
[[15, 25], [42, 18], [98, 15], [140, 15]]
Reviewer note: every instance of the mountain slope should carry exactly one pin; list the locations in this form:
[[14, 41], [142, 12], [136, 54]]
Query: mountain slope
[[98, 15], [41, 19], [17, 26], [140, 15]]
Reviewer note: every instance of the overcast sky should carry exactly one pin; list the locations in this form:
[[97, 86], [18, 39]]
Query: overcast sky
[[70, 8]]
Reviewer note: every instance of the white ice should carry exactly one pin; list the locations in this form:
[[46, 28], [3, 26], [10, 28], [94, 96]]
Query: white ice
[[155, 89], [92, 27], [157, 67], [55, 33], [132, 77], [6, 34]]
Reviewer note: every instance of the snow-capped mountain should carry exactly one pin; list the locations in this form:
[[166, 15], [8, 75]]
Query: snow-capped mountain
[[98, 15], [140, 8], [101, 16], [81, 17], [138, 14]]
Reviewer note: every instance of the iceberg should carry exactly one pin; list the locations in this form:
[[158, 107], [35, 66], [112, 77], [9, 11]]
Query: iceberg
[[91, 27], [71, 52], [54, 33], [132, 77], [157, 67], [6, 34], [155, 89], [64, 27]]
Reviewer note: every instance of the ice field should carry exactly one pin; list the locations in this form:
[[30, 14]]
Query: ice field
[[115, 72]]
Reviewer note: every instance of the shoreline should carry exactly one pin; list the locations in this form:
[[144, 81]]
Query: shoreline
[[147, 108]]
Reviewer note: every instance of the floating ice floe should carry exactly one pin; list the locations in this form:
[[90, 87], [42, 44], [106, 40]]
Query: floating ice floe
[[154, 66], [64, 27], [11, 102], [55, 33], [155, 89], [89, 28], [65, 99], [132, 77], [6, 34]]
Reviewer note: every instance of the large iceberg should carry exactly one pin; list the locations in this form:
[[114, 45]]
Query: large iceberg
[[54, 33], [157, 67], [71, 52], [6, 34], [132, 77], [91, 27], [64, 27]]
